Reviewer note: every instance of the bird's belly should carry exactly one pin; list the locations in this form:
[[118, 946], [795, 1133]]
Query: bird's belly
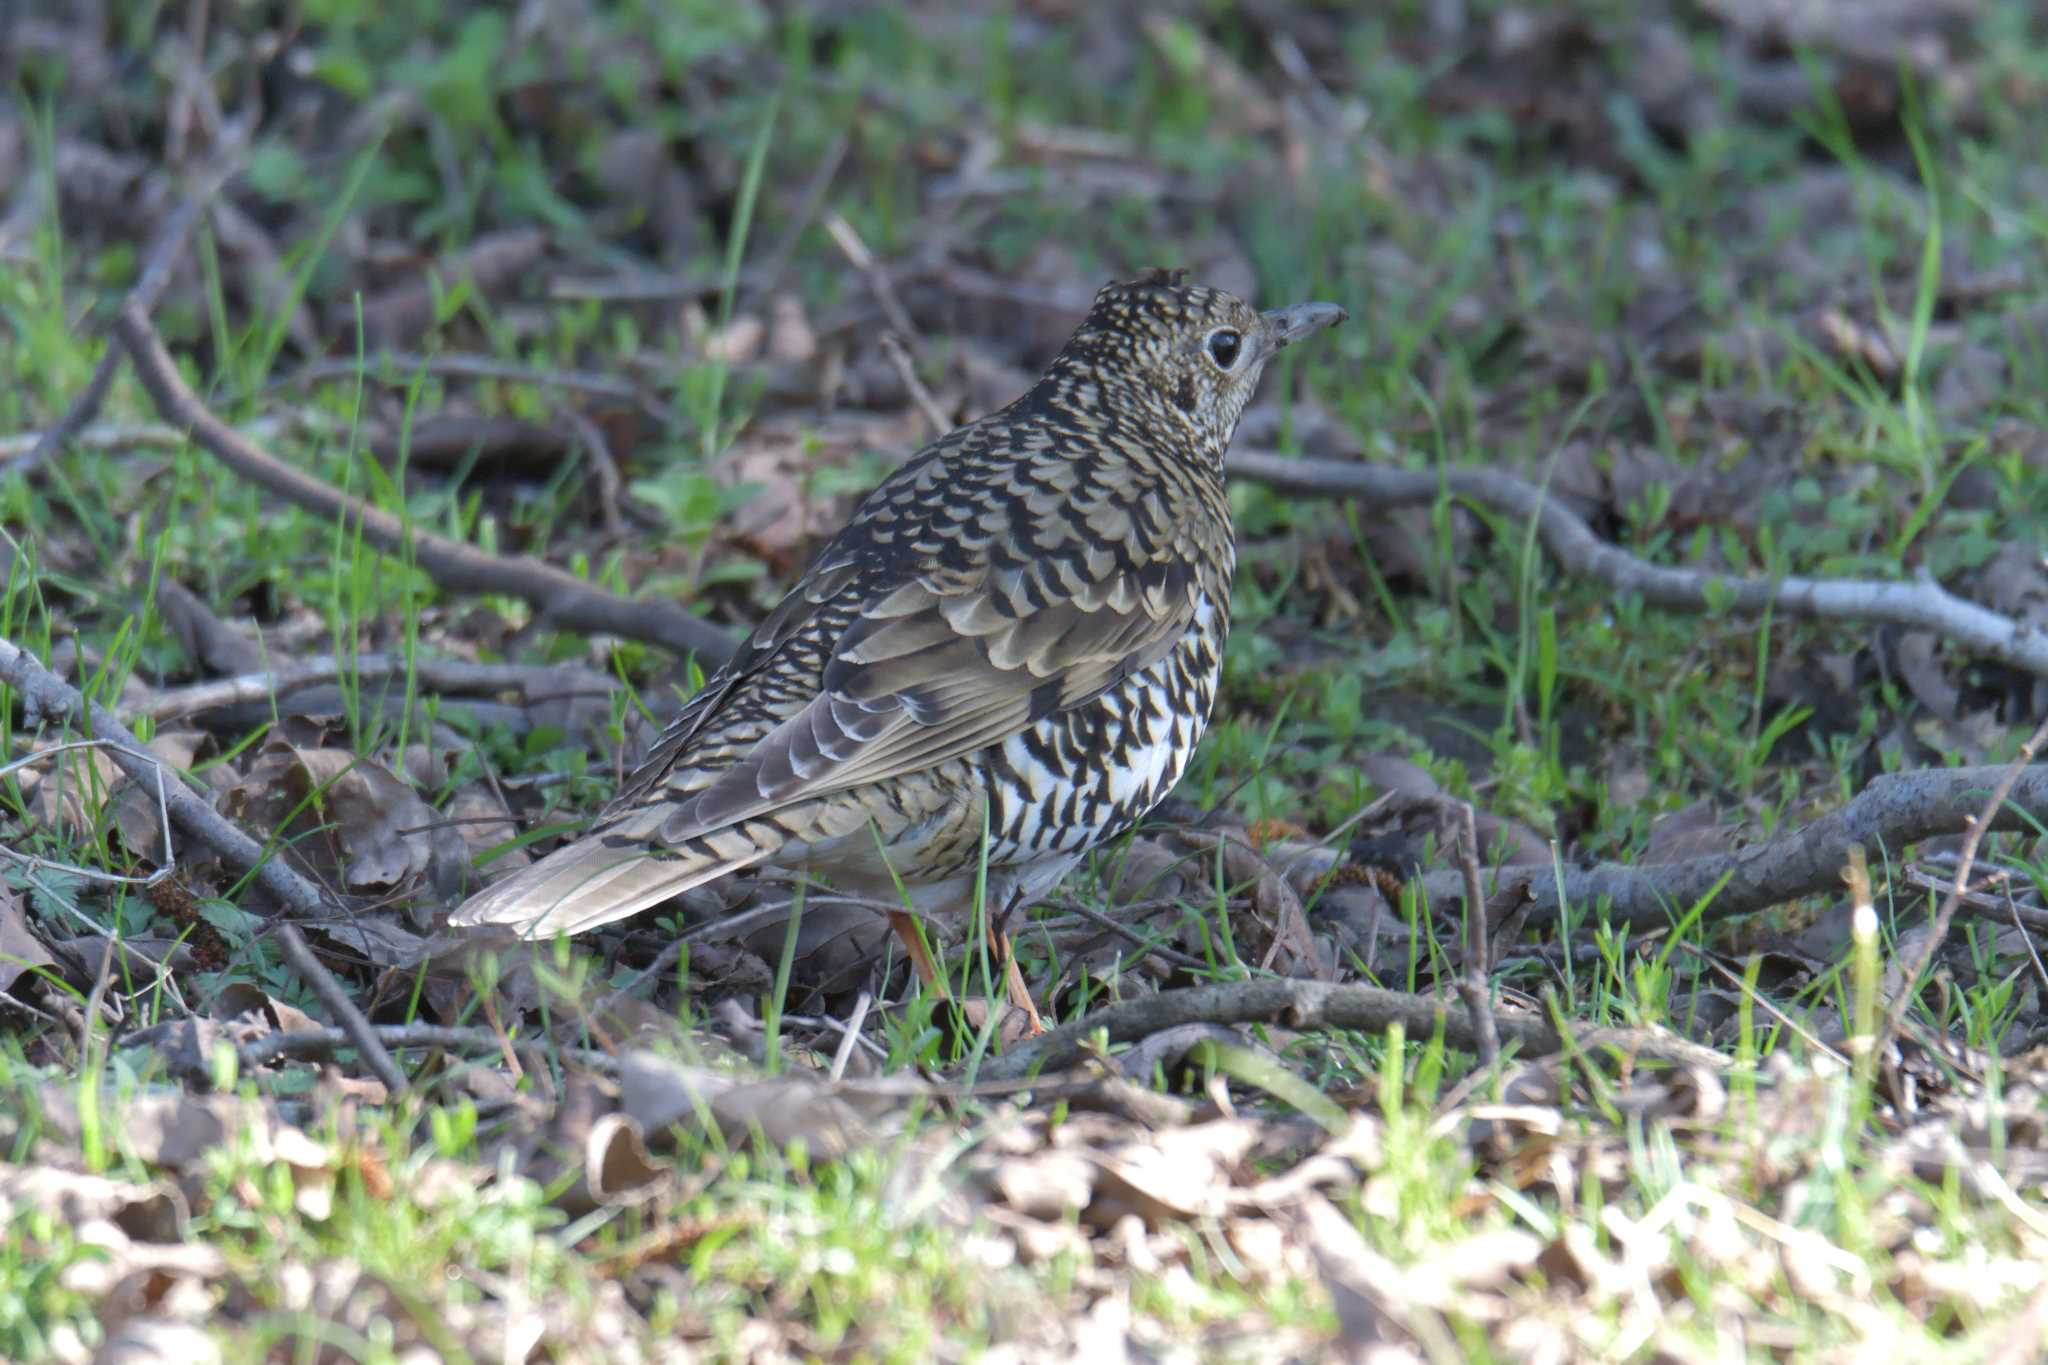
[[1079, 777]]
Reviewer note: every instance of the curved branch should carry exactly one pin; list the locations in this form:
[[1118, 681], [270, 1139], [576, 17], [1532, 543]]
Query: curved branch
[[1296, 1003], [1922, 605], [1894, 810], [1310, 1005], [532, 682], [558, 597]]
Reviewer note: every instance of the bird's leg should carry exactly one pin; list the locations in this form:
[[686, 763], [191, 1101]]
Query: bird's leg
[[905, 925], [1020, 994], [1006, 953]]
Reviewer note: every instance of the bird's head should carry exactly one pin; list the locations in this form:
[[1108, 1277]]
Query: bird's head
[[1191, 354]]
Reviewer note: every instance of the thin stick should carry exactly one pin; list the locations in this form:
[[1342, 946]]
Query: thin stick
[[663, 960], [603, 468], [1144, 945], [906, 369], [2033, 954], [100, 436], [1294, 1002], [315, 1044], [449, 676], [353, 1023], [1473, 986], [857, 254], [403, 365], [2026, 916], [844, 1052], [1894, 810]]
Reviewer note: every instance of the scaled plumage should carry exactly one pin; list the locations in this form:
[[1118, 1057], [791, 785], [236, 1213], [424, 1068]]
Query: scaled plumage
[[1017, 636]]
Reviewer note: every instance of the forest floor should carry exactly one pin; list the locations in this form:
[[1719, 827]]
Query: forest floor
[[1602, 921]]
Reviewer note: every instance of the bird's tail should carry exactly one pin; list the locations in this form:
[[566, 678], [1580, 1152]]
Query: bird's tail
[[604, 877]]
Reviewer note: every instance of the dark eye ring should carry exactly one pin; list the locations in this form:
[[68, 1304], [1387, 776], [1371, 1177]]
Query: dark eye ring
[[1224, 345]]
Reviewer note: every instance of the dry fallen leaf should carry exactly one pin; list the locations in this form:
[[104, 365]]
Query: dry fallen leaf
[[20, 949]]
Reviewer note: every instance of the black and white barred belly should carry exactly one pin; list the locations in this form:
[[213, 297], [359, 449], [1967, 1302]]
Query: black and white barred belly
[[1080, 777]]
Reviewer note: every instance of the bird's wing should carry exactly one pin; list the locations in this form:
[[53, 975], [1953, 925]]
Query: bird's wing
[[946, 664], [760, 664]]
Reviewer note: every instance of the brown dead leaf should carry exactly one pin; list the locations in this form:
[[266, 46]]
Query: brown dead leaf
[[1359, 1279], [1047, 1185], [781, 462], [483, 823], [348, 820], [20, 949], [69, 790], [178, 1132], [239, 1000], [136, 807], [1178, 1174], [616, 1164]]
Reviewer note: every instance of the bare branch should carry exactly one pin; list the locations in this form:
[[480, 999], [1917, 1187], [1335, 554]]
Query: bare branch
[[1308, 1005], [451, 676], [1297, 1003], [906, 370], [1921, 605], [1895, 810], [884, 289]]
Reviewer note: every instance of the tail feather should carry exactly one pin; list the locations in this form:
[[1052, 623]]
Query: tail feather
[[591, 883]]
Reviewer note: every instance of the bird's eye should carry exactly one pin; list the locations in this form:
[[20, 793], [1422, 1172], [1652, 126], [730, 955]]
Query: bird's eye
[[1224, 345]]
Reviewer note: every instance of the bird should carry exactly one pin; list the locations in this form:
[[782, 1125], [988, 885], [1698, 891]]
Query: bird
[[1003, 660]]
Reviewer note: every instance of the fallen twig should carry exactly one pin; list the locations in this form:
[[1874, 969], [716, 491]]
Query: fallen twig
[[1294, 1002], [43, 693], [1473, 985], [1923, 604], [559, 598], [1300, 1004], [401, 366], [604, 470], [1894, 810], [906, 369], [316, 1044], [884, 289], [2026, 917], [453, 676], [354, 1026], [100, 436]]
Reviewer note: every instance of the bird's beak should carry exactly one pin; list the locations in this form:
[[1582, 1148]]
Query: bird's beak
[[1285, 325]]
